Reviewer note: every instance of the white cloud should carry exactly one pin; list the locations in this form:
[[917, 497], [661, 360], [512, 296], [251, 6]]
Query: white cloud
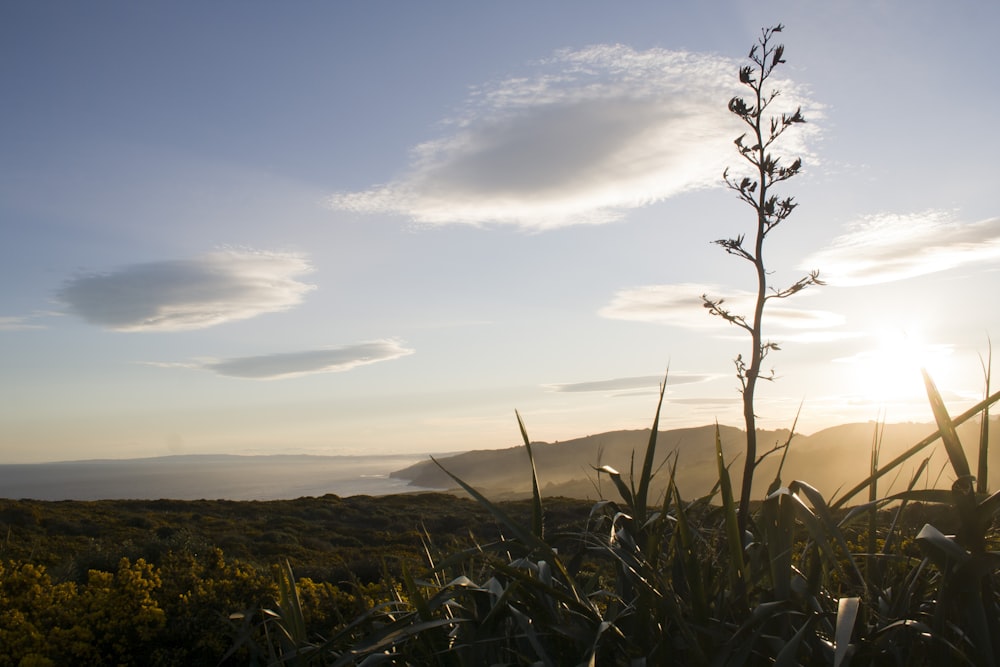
[[627, 383], [595, 132], [889, 247], [178, 295], [681, 305], [294, 364]]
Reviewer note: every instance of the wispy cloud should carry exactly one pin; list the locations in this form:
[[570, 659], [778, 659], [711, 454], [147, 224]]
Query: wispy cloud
[[187, 294], [888, 247], [19, 323], [305, 362], [681, 305], [591, 134], [629, 383], [700, 401]]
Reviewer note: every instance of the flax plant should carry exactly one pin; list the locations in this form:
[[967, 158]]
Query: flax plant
[[770, 210]]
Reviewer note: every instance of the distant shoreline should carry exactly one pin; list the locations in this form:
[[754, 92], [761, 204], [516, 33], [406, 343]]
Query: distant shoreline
[[208, 476]]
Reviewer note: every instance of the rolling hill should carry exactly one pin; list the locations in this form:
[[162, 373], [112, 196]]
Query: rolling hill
[[832, 459]]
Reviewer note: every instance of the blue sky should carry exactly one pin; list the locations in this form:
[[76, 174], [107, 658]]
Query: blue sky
[[382, 227]]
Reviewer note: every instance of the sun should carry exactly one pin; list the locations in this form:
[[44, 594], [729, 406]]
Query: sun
[[889, 372]]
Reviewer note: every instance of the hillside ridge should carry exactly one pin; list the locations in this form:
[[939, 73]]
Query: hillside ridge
[[830, 459]]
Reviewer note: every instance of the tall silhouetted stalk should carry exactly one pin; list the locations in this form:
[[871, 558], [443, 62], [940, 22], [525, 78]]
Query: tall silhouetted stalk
[[756, 191]]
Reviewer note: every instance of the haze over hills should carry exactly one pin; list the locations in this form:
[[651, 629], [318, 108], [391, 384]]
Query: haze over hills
[[832, 459]]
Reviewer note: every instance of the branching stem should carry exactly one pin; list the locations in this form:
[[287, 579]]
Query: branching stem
[[770, 211]]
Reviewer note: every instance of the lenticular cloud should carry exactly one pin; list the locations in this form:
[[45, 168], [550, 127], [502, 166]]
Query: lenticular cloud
[[592, 134], [178, 295], [307, 362]]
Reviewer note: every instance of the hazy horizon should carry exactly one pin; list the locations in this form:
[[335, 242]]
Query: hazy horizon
[[206, 476], [353, 454], [827, 460], [360, 228]]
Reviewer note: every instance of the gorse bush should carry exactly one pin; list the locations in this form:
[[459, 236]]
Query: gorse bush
[[111, 619], [147, 585]]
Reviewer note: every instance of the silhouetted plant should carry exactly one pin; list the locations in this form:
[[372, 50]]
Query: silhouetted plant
[[770, 210]]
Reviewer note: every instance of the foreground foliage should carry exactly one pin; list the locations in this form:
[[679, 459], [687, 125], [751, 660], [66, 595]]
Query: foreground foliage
[[675, 582]]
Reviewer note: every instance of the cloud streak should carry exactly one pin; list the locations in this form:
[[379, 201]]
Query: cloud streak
[[629, 383], [889, 247], [18, 323], [282, 365], [178, 295], [680, 305], [591, 134]]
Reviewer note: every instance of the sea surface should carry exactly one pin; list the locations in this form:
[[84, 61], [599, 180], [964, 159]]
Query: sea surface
[[211, 477]]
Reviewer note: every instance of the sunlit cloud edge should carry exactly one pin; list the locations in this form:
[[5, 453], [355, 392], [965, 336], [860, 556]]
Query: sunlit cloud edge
[[526, 150], [285, 365], [889, 247]]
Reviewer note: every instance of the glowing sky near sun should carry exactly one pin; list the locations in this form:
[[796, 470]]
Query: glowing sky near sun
[[383, 227]]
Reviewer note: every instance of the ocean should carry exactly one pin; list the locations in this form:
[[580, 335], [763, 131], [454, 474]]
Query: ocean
[[210, 477]]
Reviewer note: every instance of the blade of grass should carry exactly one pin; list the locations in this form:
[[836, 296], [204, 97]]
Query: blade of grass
[[733, 535], [739, 645], [690, 560], [292, 621], [990, 505], [389, 636], [941, 496], [870, 564], [905, 456], [537, 524], [778, 518], [788, 656], [847, 614], [891, 533], [776, 482], [823, 528], [647, 463], [982, 472], [941, 549], [822, 510], [946, 428], [616, 479], [525, 537]]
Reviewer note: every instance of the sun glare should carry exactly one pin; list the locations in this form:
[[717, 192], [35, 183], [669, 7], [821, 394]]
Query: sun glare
[[890, 371]]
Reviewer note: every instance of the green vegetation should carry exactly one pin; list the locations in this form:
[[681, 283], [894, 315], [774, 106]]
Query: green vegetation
[[155, 582]]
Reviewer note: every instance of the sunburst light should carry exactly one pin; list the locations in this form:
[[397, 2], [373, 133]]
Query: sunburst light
[[889, 372]]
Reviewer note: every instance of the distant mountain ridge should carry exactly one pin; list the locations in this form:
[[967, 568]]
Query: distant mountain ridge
[[833, 459]]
